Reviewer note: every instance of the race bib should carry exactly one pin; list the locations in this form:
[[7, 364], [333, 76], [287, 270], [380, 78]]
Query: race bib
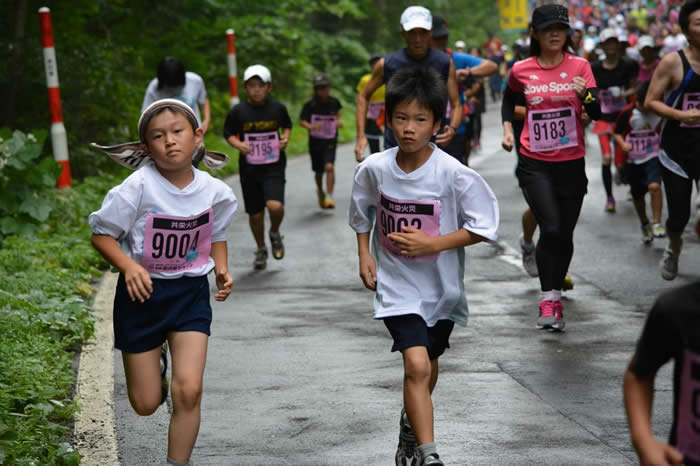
[[395, 214], [174, 244], [374, 110], [688, 415], [552, 129], [265, 148], [328, 124], [645, 144], [691, 100], [610, 104]]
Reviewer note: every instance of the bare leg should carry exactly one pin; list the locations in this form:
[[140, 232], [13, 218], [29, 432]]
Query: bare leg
[[319, 181], [641, 207], [189, 352], [276, 210], [416, 392], [657, 201], [529, 226], [330, 178], [257, 227], [142, 372], [434, 370]]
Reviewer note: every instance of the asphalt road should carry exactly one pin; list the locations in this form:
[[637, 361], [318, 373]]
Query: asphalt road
[[299, 373]]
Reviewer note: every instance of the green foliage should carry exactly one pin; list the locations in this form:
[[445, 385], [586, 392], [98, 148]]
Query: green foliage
[[27, 182], [45, 314]]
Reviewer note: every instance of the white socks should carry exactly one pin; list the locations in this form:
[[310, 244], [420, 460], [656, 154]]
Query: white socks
[[553, 295]]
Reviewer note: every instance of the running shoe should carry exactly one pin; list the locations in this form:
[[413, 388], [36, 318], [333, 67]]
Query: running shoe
[[277, 245], [559, 314], [610, 205], [546, 319], [647, 233], [567, 284], [260, 259], [406, 453], [321, 199], [669, 265], [328, 203], [432, 460], [528, 255], [658, 230], [164, 382]]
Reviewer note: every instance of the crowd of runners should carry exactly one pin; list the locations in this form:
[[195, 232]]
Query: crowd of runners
[[625, 71]]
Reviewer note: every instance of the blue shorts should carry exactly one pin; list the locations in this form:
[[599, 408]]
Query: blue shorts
[[176, 305], [640, 176], [411, 330]]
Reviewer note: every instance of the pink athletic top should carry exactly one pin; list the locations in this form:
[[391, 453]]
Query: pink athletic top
[[554, 110]]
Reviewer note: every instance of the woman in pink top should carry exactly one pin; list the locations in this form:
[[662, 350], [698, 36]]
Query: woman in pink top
[[557, 86]]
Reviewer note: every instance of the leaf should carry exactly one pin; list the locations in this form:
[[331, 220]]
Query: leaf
[[37, 208], [11, 226]]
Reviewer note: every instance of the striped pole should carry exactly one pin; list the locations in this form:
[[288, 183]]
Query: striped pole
[[59, 140], [232, 79]]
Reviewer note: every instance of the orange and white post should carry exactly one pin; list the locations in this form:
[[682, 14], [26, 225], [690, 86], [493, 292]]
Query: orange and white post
[[232, 79], [59, 140]]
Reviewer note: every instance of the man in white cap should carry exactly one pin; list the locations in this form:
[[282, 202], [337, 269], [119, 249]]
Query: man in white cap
[[416, 29]]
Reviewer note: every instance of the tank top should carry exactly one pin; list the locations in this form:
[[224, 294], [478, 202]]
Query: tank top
[[435, 59], [681, 143]]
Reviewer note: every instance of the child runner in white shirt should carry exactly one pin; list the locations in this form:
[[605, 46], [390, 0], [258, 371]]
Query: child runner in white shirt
[[423, 207], [171, 219]]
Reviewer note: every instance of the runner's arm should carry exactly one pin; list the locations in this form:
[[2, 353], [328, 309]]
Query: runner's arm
[[362, 99], [138, 280], [667, 76], [507, 115], [453, 95], [485, 68], [413, 242], [368, 267], [224, 281], [236, 143], [520, 112], [206, 109]]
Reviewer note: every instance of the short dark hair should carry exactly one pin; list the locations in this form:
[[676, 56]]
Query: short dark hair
[[684, 17], [420, 84], [171, 73]]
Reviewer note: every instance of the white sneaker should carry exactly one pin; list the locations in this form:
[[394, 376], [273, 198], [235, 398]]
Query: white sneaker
[[659, 230], [669, 265], [647, 233], [528, 255]]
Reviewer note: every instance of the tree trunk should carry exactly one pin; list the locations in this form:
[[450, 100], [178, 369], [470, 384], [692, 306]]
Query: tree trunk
[[15, 65]]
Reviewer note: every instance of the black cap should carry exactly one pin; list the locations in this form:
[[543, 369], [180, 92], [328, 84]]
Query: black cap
[[374, 57], [547, 15], [321, 80], [439, 27]]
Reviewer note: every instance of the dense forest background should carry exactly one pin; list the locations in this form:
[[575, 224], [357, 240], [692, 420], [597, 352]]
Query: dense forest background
[[107, 52]]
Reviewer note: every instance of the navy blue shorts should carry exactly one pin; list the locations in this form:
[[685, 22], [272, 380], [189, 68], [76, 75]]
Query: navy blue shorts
[[176, 305], [411, 330], [641, 175]]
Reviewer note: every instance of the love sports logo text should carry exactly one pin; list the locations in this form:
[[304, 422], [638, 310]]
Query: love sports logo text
[[554, 87]]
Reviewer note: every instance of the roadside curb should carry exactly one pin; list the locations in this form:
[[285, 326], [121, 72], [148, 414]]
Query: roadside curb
[[94, 428]]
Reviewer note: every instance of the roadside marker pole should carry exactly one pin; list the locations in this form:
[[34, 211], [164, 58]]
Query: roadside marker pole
[[59, 140], [232, 79]]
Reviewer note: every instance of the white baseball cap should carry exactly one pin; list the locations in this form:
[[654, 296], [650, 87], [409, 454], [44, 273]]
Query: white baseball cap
[[645, 41], [460, 44], [608, 33], [416, 17], [257, 70]]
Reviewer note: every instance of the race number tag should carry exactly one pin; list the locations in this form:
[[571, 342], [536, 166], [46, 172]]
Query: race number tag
[[394, 214], [374, 110], [688, 415], [691, 101], [328, 124], [645, 144], [552, 129], [609, 103], [265, 148], [174, 244]]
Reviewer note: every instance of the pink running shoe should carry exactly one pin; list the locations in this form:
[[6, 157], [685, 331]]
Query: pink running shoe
[[559, 314], [546, 319]]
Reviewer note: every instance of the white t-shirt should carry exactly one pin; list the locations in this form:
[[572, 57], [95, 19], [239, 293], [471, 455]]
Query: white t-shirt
[[125, 209], [432, 289], [193, 94]]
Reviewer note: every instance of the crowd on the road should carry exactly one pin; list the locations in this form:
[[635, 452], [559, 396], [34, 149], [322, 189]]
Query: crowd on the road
[[623, 69]]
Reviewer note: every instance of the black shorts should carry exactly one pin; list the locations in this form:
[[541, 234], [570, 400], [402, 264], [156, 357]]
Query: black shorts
[[322, 152], [566, 180], [262, 183], [411, 330], [640, 176], [176, 305]]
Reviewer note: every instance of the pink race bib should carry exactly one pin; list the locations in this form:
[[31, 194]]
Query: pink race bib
[[265, 148], [645, 144], [691, 101], [174, 244], [328, 126], [552, 129], [688, 414], [394, 214], [610, 104], [374, 110]]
